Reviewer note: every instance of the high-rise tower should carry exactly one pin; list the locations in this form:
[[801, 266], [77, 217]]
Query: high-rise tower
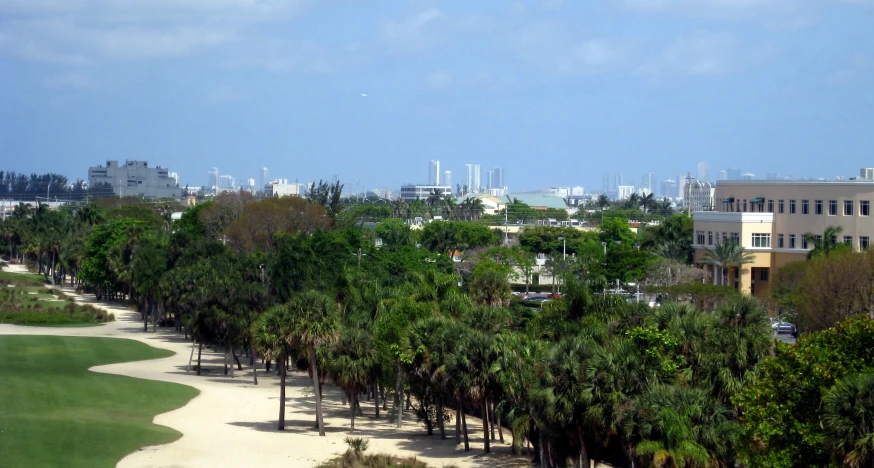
[[434, 172]]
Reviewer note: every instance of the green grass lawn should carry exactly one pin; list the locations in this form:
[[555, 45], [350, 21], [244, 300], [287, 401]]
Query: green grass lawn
[[31, 278], [54, 412]]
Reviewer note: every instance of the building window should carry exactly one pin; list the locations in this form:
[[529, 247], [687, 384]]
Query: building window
[[832, 207], [724, 237], [780, 241], [762, 240], [780, 206], [700, 238], [805, 207], [791, 206], [770, 206], [745, 206], [848, 240], [763, 274], [791, 241], [864, 208], [848, 207], [735, 237], [817, 207], [864, 241], [709, 237], [803, 243]]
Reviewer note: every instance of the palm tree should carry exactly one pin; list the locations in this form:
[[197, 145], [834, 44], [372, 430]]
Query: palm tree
[[351, 365], [849, 420], [743, 340], [490, 288], [665, 207], [399, 209], [315, 322], [682, 427], [603, 201], [728, 253], [561, 396], [633, 201], [270, 333], [825, 244], [647, 201]]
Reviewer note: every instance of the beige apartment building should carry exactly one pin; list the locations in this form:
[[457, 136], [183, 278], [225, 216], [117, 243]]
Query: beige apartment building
[[769, 219]]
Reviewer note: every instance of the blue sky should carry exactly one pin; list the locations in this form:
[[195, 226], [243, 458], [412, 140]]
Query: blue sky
[[557, 92]]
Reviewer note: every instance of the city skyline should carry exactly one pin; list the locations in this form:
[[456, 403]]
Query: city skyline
[[557, 92]]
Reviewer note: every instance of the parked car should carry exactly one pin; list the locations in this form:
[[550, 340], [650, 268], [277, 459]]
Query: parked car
[[554, 296], [784, 328]]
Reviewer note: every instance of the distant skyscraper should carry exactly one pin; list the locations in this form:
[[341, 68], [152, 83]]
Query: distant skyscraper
[[212, 180], [263, 178], [226, 182], [748, 176], [606, 182], [497, 178], [669, 188], [734, 174], [434, 172], [772, 176], [703, 171], [474, 179], [447, 179], [649, 182], [617, 180], [489, 180], [722, 175]]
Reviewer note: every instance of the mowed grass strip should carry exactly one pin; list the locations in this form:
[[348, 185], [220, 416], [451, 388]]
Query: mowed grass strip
[[55, 412]]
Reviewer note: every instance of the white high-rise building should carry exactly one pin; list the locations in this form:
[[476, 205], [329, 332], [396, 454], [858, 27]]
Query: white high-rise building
[[212, 179], [722, 175], [447, 179], [649, 182], [434, 172], [577, 191], [226, 182], [703, 171], [474, 180], [497, 178], [263, 177], [624, 191]]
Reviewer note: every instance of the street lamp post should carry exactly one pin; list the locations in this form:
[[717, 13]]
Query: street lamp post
[[563, 258]]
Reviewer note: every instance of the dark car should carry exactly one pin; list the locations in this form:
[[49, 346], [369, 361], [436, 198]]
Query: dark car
[[784, 328]]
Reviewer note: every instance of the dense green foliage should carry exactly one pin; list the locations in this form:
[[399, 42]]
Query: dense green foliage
[[55, 412], [786, 411], [589, 375]]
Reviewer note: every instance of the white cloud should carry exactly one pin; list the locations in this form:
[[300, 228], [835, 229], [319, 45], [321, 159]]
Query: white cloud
[[222, 95], [857, 67], [702, 53], [548, 46], [299, 58], [69, 32], [75, 81], [439, 80], [717, 8], [415, 31]]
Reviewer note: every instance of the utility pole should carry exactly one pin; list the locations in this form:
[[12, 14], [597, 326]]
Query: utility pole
[[506, 228]]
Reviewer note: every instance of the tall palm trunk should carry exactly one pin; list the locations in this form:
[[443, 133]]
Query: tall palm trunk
[[254, 366], [440, 423], [199, 350], [316, 389], [458, 422], [282, 373], [464, 428], [487, 447], [376, 396], [352, 401], [584, 454], [399, 403]]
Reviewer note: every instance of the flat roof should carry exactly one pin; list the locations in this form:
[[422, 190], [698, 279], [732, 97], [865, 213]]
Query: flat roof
[[795, 182]]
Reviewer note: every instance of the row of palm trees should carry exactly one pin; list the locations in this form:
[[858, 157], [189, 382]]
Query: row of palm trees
[[438, 204]]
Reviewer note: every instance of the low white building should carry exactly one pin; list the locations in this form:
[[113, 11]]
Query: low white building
[[281, 188], [412, 192]]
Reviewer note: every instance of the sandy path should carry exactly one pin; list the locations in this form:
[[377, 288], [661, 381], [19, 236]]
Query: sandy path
[[233, 422]]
